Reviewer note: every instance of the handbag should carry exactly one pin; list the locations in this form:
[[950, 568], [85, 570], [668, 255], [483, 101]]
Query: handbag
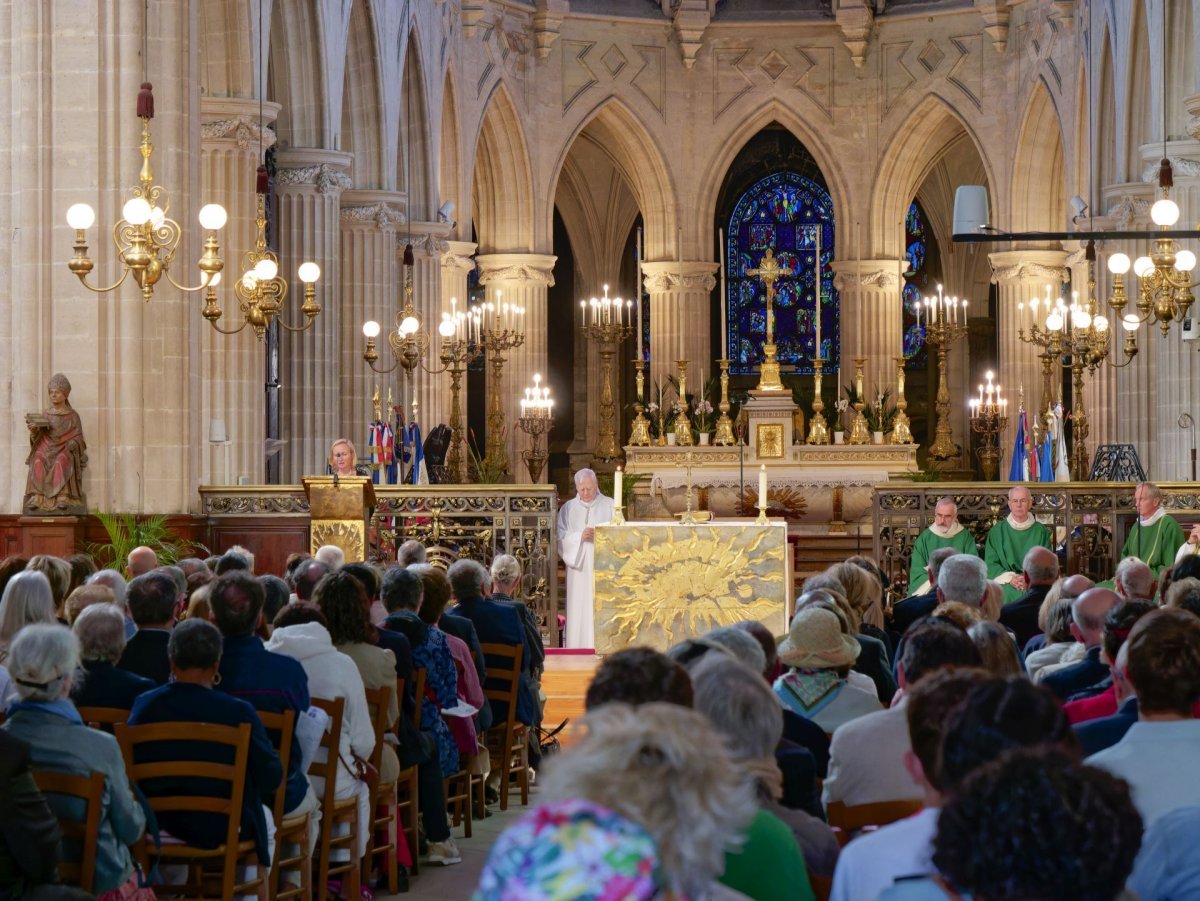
[[362, 770], [547, 740]]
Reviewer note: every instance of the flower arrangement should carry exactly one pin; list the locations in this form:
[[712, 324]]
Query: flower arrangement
[[841, 407], [659, 411], [881, 413], [702, 415]]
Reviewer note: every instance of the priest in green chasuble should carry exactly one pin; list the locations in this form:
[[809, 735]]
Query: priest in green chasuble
[[1156, 537], [946, 531], [1010, 540]]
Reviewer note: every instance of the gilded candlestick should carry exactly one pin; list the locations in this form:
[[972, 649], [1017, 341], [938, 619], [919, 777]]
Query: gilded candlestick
[[901, 430], [639, 430], [683, 425], [724, 435], [818, 431], [860, 432]]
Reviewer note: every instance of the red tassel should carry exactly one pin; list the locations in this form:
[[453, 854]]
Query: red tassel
[[1090, 251], [408, 255], [263, 182], [1166, 176], [145, 106]]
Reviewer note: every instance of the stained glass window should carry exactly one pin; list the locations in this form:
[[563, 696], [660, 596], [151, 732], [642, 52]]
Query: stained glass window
[[785, 212], [916, 286]]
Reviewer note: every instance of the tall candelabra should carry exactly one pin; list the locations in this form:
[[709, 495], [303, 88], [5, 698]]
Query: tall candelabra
[[639, 429], [724, 434], [818, 429], [502, 329], [536, 421], [460, 348], [1074, 337], [945, 323], [860, 432], [409, 341], [608, 321], [989, 417], [683, 425], [901, 429]]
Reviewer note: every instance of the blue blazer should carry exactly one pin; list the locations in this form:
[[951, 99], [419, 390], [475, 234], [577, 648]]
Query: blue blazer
[[1078, 676], [146, 655], [184, 702], [1098, 735], [271, 682], [105, 685], [501, 624], [464, 630]]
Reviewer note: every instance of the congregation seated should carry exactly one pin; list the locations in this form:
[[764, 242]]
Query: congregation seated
[[1167, 865], [410, 552], [1087, 626], [370, 580], [141, 560], [58, 574], [151, 598], [100, 629], [84, 596], [9, 567], [998, 652], [189, 697], [917, 606], [268, 682], [744, 711], [306, 577], [1134, 580], [1047, 650], [506, 581], [867, 755], [113, 580], [1040, 569], [43, 659], [331, 555], [637, 676], [874, 657], [26, 600], [1118, 622], [83, 567], [275, 598]]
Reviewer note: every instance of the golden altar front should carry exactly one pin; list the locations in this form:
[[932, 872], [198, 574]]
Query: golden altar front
[[658, 583]]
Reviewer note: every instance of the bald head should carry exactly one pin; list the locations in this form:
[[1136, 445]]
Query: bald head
[[1041, 566], [1134, 579], [1088, 612], [1020, 501], [141, 560], [1074, 586]]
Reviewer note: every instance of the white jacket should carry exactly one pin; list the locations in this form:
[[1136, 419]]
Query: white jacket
[[331, 675]]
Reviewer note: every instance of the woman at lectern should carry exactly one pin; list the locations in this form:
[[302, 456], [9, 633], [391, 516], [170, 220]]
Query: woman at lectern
[[343, 458]]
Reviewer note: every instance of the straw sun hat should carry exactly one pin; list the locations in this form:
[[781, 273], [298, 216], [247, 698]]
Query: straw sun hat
[[816, 641]]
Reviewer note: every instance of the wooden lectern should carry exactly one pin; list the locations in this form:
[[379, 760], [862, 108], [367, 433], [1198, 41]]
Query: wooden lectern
[[339, 510]]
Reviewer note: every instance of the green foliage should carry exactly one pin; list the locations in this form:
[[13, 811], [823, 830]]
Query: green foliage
[[126, 531], [929, 472], [881, 415], [483, 470], [628, 483]]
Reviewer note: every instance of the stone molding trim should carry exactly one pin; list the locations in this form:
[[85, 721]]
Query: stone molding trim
[[1128, 209], [533, 268], [1183, 167], [383, 216], [695, 276], [326, 178], [1028, 270], [242, 129], [874, 278]]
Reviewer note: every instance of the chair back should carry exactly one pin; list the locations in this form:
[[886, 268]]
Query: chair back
[[418, 694], [331, 742], [280, 729], [377, 707], [846, 820], [182, 734], [503, 676], [104, 718], [90, 790]]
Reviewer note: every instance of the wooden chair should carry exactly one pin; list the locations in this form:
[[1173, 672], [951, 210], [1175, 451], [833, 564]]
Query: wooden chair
[[408, 797], [418, 694], [846, 820], [383, 797], [458, 797], [103, 718], [90, 790], [822, 886], [507, 742], [289, 830], [233, 852], [334, 812]]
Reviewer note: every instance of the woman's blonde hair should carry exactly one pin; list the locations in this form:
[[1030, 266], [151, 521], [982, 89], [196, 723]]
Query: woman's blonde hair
[[353, 452], [997, 649], [863, 591], [666, 768]]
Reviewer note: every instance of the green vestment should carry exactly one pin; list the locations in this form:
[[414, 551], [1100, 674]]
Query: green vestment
[[1155, 545], [1006, 548], [928, 542]]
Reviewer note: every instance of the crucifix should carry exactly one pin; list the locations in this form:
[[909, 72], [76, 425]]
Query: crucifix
[[769, 271], [687, 460]]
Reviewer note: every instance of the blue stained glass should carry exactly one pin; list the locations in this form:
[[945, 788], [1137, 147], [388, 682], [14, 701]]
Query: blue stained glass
[[916, 255], [914, 340], [916, 283], [784, 198]]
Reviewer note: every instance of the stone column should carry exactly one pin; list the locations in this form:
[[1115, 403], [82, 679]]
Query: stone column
[[433, 388], [309, 185], [370, 289], [680, 294], [523, 279], [233, 366], [871, 319], [1020, 276]]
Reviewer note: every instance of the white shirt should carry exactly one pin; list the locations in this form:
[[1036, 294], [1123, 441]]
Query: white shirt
[[872, 862], [1161, 763]]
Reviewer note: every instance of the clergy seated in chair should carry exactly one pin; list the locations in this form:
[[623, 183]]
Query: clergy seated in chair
[[1088, 612], [1156, 538], [101, 632], [945, 532], [1010, 539]]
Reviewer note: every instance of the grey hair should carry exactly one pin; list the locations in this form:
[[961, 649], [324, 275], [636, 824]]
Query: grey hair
[[100, 629], [331, 555], [27, 599], [1135, 577], [1150, 489], [585, 473], [113, 580], [963, 578], [743, 646], [944, 500], [666, 768], [1019, 488], [825, 580], [41, 660], [467, 578], [1039, 572], [506, 568], [178, 576], [936, 559], [738, 701], [410, 552], [238, 551]]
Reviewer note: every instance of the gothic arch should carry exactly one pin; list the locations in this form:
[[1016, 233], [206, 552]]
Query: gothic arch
[[1038, 179], [502, 179], [414, 167], [362, 103], [616, 130], [449, 160], [929, 132], [229, 48], [730, 146], [1106, 117], [307, 63], [1140, 112]]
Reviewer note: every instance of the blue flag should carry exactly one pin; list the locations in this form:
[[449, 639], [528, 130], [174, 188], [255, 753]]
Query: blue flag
[[1016, 470], [419, 475], [1046, 461]]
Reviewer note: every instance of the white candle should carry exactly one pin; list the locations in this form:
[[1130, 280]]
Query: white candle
[[638, 277], [724, 300], [617, 477], [762, 486], [818, 304]]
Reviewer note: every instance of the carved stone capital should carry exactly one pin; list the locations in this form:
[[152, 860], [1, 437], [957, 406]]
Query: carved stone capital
[[1029, 266], [694, 276], [320, 168], [460, 255], [689, 22], [856, 19], [851, 275], [1182, 165], [532, 268], [429, 245], [1129, 211], [243, 130], [382, 216], [995, 15], [547, 22]]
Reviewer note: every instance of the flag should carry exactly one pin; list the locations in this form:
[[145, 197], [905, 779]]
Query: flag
[[1018, 470], [1046, 458], [396, 465], [418, 475], [381, 447], [1062, 472]]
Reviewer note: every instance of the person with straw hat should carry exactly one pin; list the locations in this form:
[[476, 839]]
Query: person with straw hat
[[820, 655]]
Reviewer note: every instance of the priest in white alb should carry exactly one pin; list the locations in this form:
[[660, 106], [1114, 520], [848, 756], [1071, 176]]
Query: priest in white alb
[[577, 521]]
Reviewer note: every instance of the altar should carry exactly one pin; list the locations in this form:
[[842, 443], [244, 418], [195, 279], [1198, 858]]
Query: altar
[[659, 583]]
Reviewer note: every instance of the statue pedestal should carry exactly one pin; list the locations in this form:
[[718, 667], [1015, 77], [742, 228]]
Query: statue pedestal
[[769, 417], [59, 536]]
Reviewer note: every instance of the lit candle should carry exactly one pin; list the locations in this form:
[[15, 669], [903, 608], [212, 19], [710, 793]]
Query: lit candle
[[762, 487], [617, 477]]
